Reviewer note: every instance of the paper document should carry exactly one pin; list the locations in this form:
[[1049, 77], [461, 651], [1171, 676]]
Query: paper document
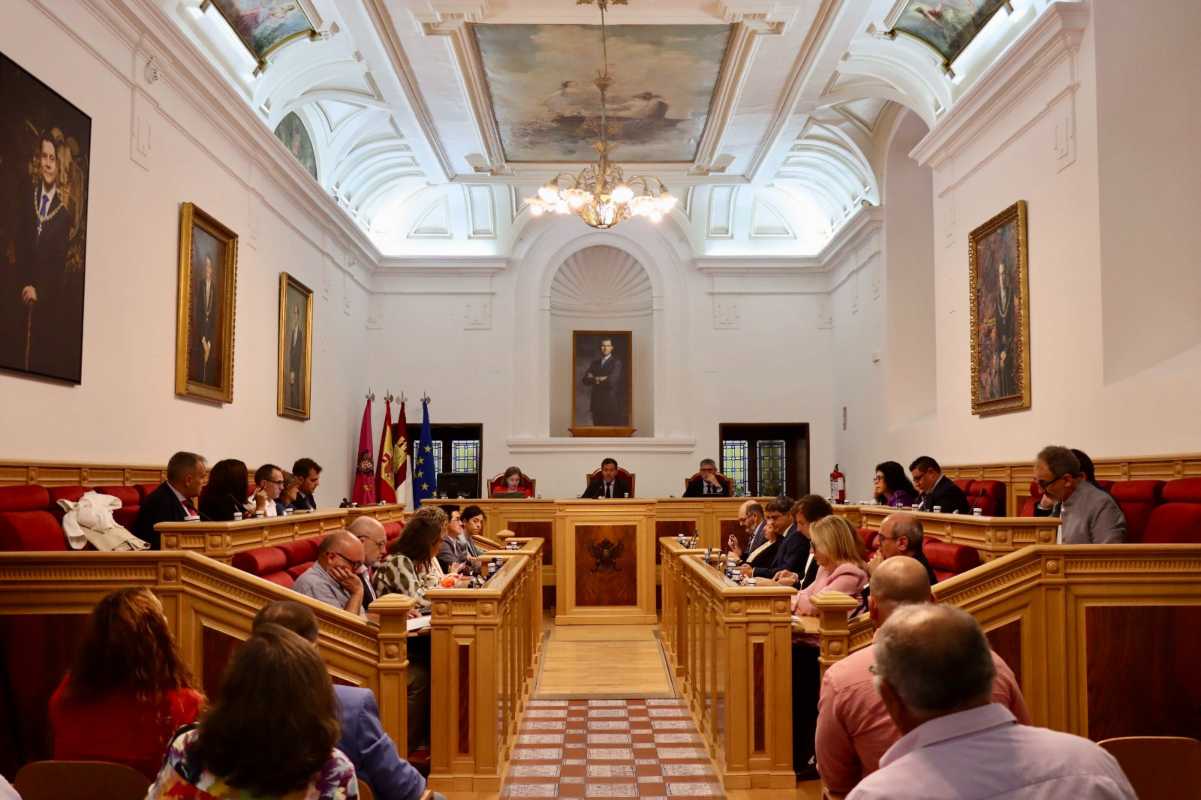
[[419, 623]]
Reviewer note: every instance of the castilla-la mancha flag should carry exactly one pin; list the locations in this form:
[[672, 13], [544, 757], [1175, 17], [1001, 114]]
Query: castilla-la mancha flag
[[364, 469], [385, 489]]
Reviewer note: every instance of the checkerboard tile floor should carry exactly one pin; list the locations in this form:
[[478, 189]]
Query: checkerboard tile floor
[[610, 748]]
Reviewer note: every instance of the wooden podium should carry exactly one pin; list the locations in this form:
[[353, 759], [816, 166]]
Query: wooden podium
[[605, 552]]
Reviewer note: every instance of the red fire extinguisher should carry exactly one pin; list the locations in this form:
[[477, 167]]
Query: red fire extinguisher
[[838, 486]]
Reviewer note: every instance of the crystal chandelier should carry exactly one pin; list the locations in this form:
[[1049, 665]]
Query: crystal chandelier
[[601, 194]]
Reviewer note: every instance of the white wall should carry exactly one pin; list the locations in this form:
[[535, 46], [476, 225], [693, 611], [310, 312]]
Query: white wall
[[1085, 394], [125, 410]]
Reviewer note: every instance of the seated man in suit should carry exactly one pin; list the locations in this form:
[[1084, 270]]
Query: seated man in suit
[[608, 484], [938, 492], [172, 500], [806, 511], [309, 472], [706, 483], [269, 479], [753, 520], [334, 577], [853, 726], [901, 534], [1089, 515], [363, 739], [794, 546]]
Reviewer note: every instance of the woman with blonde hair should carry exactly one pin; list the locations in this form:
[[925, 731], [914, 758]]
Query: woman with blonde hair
[[840, 565]]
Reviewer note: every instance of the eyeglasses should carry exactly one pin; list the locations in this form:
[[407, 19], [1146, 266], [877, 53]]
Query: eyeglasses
[[353, 564], [1044, 484], [279, 482]]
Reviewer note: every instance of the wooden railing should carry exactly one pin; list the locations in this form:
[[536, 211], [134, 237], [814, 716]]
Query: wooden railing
[[45, 597], [70, 473], [221, 540], [733, 657], [483, 649], [1104, 639], [1016, 475], [992, 536], [672, 608]]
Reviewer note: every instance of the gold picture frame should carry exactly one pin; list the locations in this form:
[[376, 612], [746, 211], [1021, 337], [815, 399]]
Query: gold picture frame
[[204, 329], [616, 416], [999, 295], [294, 396]]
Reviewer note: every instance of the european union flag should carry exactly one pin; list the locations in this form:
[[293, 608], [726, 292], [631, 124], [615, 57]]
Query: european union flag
[[425, 472]]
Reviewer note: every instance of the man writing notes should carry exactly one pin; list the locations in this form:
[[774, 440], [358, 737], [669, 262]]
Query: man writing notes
[[1090, 515], [706, 484], [608, 484]]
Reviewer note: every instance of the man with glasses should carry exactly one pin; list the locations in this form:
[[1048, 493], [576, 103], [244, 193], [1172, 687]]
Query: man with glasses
[[938, 492], [1089, 515], [370, 531], [334, 578], [269, 479]]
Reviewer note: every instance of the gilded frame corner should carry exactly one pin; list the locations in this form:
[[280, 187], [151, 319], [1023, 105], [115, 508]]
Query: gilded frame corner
[[1020, 399]]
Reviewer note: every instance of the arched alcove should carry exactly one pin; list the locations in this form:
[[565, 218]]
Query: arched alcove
[[601, 288]]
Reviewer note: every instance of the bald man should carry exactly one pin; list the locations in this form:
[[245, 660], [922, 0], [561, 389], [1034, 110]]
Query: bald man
[[752, 520], [935, 675], [853, 726], [370, 531], [334, 577]]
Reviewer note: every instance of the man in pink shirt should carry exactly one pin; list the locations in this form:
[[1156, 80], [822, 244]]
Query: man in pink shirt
[[853, 726], [935, 674]]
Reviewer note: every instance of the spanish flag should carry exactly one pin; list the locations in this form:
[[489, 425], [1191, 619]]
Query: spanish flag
[[385, 486]]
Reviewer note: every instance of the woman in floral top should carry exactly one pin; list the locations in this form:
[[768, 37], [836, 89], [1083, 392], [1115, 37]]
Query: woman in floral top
[[270, 736], [411, 566]]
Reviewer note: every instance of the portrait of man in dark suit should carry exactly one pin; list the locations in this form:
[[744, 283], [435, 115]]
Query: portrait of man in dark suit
[[204, 351], [44, 152], [294, 352], [603, 375]]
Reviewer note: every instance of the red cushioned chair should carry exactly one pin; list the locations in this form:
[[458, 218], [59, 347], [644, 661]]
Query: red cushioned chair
[[622, 472], [301, 551], [68, 493], [497, 485], [1104, 485], [1031, 502], [296, 570], [988, 496], [146, 488], [1178, 518], [25, 521], [949, 559], [871, 541], [722, 479], [131, 501], [392, 530], [269, 563], [963, 483], [1137, 499]]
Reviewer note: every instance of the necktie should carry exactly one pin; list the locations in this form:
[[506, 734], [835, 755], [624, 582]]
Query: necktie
[[45, 204], [609, 490]]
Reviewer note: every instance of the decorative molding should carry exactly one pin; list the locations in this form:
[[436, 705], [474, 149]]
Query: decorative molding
[[481, 211], [434, 222], [601, 281], [726, 313], [477, 314], [719, 223], [768, 223], [568, 444], [1035, 75]]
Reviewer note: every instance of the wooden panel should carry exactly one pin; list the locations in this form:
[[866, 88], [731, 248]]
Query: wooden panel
[[1006, 641], [1142, 671], [538, 530], [606, 565], [217, 649], [68, 473], [672, 527], [464, 736]]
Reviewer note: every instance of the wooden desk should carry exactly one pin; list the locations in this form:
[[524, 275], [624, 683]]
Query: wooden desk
[[992, 536], [220, 540]]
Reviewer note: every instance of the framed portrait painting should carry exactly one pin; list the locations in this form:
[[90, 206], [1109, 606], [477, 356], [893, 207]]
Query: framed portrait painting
[[294, 396], [204, 333], [602, 388], [998, 263], [45, 160]]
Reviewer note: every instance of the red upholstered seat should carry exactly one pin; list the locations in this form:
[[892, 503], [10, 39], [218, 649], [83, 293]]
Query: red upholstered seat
[[963, 483], [1104, 485], [24, 498], [301, 550], [1137, 499], [128, 495], [282, 578], [261, 561], [949, 559], [988, 496], [1178, 518], [1036, 493], [299, 569], [392, 530], [497, 485], [69, 493], [145, 489]]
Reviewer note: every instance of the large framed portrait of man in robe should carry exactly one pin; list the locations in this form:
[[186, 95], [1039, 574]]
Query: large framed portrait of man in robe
[[602, 386], [204, 338], [45, 149], [294, 398], [1000, 313]]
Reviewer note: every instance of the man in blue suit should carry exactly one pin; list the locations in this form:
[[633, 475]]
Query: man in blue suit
[[363, 738]]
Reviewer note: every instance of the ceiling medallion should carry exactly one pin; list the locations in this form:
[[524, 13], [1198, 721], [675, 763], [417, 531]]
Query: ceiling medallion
[[601, 194]]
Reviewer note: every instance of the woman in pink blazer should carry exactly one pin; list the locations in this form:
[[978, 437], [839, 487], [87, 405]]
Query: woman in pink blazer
[[840, 567]]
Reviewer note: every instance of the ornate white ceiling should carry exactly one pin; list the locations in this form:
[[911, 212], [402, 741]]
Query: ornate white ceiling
[[396, 100]]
